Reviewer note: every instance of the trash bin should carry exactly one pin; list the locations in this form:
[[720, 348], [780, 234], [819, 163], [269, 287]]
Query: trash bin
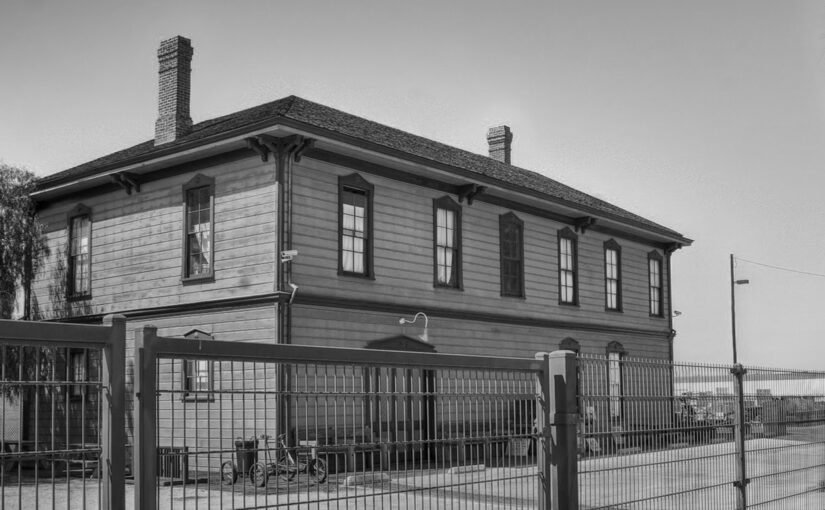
[[246, 454]]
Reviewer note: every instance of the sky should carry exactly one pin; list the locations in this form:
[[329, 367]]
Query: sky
[[705, 116]]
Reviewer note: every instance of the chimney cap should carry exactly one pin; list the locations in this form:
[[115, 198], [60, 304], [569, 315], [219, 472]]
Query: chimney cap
[[497, 131]]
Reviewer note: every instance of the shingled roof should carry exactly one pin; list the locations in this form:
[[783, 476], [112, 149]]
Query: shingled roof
[[316, 115]]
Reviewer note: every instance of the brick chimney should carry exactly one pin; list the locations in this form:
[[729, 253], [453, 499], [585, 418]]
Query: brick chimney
[[175, 69], [499, 139]]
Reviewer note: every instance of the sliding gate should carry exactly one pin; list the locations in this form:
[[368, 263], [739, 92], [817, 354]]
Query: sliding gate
[[231, 425]]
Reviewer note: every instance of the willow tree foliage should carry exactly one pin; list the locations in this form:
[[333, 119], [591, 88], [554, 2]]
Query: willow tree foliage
[[22, 243]]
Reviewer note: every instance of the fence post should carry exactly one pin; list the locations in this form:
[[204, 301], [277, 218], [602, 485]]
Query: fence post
[[742, 480], [112, 464], [144, 459], [556, 424]]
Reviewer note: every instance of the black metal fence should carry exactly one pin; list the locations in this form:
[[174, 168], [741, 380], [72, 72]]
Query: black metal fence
[[674, 435]]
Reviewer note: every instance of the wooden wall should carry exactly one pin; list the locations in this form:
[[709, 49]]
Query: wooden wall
[[403, 260], [137, 243]]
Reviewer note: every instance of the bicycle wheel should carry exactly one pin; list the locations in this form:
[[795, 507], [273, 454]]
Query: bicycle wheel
[[258, 474], [286, 468], [229, 474], [318, 470]]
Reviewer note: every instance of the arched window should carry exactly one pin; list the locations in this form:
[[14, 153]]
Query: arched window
[[511, 240]]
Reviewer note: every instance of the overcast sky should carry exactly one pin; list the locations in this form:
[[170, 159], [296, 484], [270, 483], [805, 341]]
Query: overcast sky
[[705, 116]]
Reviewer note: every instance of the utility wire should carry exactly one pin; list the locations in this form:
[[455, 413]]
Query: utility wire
[[779, 268]]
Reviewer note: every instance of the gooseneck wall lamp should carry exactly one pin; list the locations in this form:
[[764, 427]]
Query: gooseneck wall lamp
[[424, 337]]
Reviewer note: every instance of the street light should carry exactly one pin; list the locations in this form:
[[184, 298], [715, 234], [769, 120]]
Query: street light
[[733, 284]]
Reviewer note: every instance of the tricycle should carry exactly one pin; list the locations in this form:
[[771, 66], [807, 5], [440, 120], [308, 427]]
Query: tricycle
[[287, 462]]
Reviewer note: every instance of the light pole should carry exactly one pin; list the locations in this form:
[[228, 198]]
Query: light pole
[[733, 284]]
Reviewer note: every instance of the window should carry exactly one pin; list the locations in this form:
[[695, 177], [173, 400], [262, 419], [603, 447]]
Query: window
[[654, 264], [197, 373], [568, 266], [511, 230], [78, 372], [79, 253], [355, 226], [615, 354], [612, 276], [447, 243], [199, 249]]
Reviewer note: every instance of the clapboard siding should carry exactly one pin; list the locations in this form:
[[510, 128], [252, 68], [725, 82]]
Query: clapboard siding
[[348, 328], [403, 263], [137, 243]]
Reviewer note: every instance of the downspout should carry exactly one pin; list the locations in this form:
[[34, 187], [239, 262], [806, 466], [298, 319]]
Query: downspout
[[672, 334]]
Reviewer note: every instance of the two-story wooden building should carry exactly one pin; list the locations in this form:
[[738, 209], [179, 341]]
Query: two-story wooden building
[[295, 222]]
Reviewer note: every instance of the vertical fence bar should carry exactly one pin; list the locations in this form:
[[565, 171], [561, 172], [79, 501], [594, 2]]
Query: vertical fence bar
[[144, 459], [112, 458], [543, 439], [741, 482]]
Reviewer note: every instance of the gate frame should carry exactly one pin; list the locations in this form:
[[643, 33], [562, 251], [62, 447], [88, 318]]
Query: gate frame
[[110, 338], [149, 348]]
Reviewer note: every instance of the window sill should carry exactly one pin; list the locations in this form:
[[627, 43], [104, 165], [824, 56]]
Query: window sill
[[448, 288], [356, 275], [513, 296], [571, 305], [198, 397], [210, 278], [79, 297], [614, 310]]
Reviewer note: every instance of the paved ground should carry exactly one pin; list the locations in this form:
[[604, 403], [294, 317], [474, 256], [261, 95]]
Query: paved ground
[[698, 477]]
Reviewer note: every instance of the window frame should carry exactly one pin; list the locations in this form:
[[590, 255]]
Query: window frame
[[198, 181], [614, 246], [448, 204], [616, 349], [72, 294], [505, 220], [187, 393], [358, 183], [567, 234], [657, 257]]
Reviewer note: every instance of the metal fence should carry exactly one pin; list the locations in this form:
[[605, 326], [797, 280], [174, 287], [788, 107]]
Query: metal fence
[[658, 435], [229, 425], [61, 415]]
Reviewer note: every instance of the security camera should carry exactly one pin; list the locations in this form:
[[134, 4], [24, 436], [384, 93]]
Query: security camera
[[288, 255]]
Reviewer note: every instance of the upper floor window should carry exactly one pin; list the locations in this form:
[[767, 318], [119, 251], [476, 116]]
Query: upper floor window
[[568, 267], [80, 253], [511, 238], [447, 245], [199, 246], [654, 263], [612, 276], [355, 226]]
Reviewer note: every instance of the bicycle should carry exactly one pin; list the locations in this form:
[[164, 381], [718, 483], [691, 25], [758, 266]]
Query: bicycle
[[286, 465]]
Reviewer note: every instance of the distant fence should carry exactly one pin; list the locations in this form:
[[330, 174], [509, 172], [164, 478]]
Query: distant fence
[[676, 435]]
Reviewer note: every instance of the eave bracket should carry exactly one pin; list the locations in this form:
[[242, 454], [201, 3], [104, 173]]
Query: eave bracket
[[126, 180], [469, 191], [583, 223]]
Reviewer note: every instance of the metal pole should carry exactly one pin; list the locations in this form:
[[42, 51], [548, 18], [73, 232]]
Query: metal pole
[[733, 309], [742, 480]]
